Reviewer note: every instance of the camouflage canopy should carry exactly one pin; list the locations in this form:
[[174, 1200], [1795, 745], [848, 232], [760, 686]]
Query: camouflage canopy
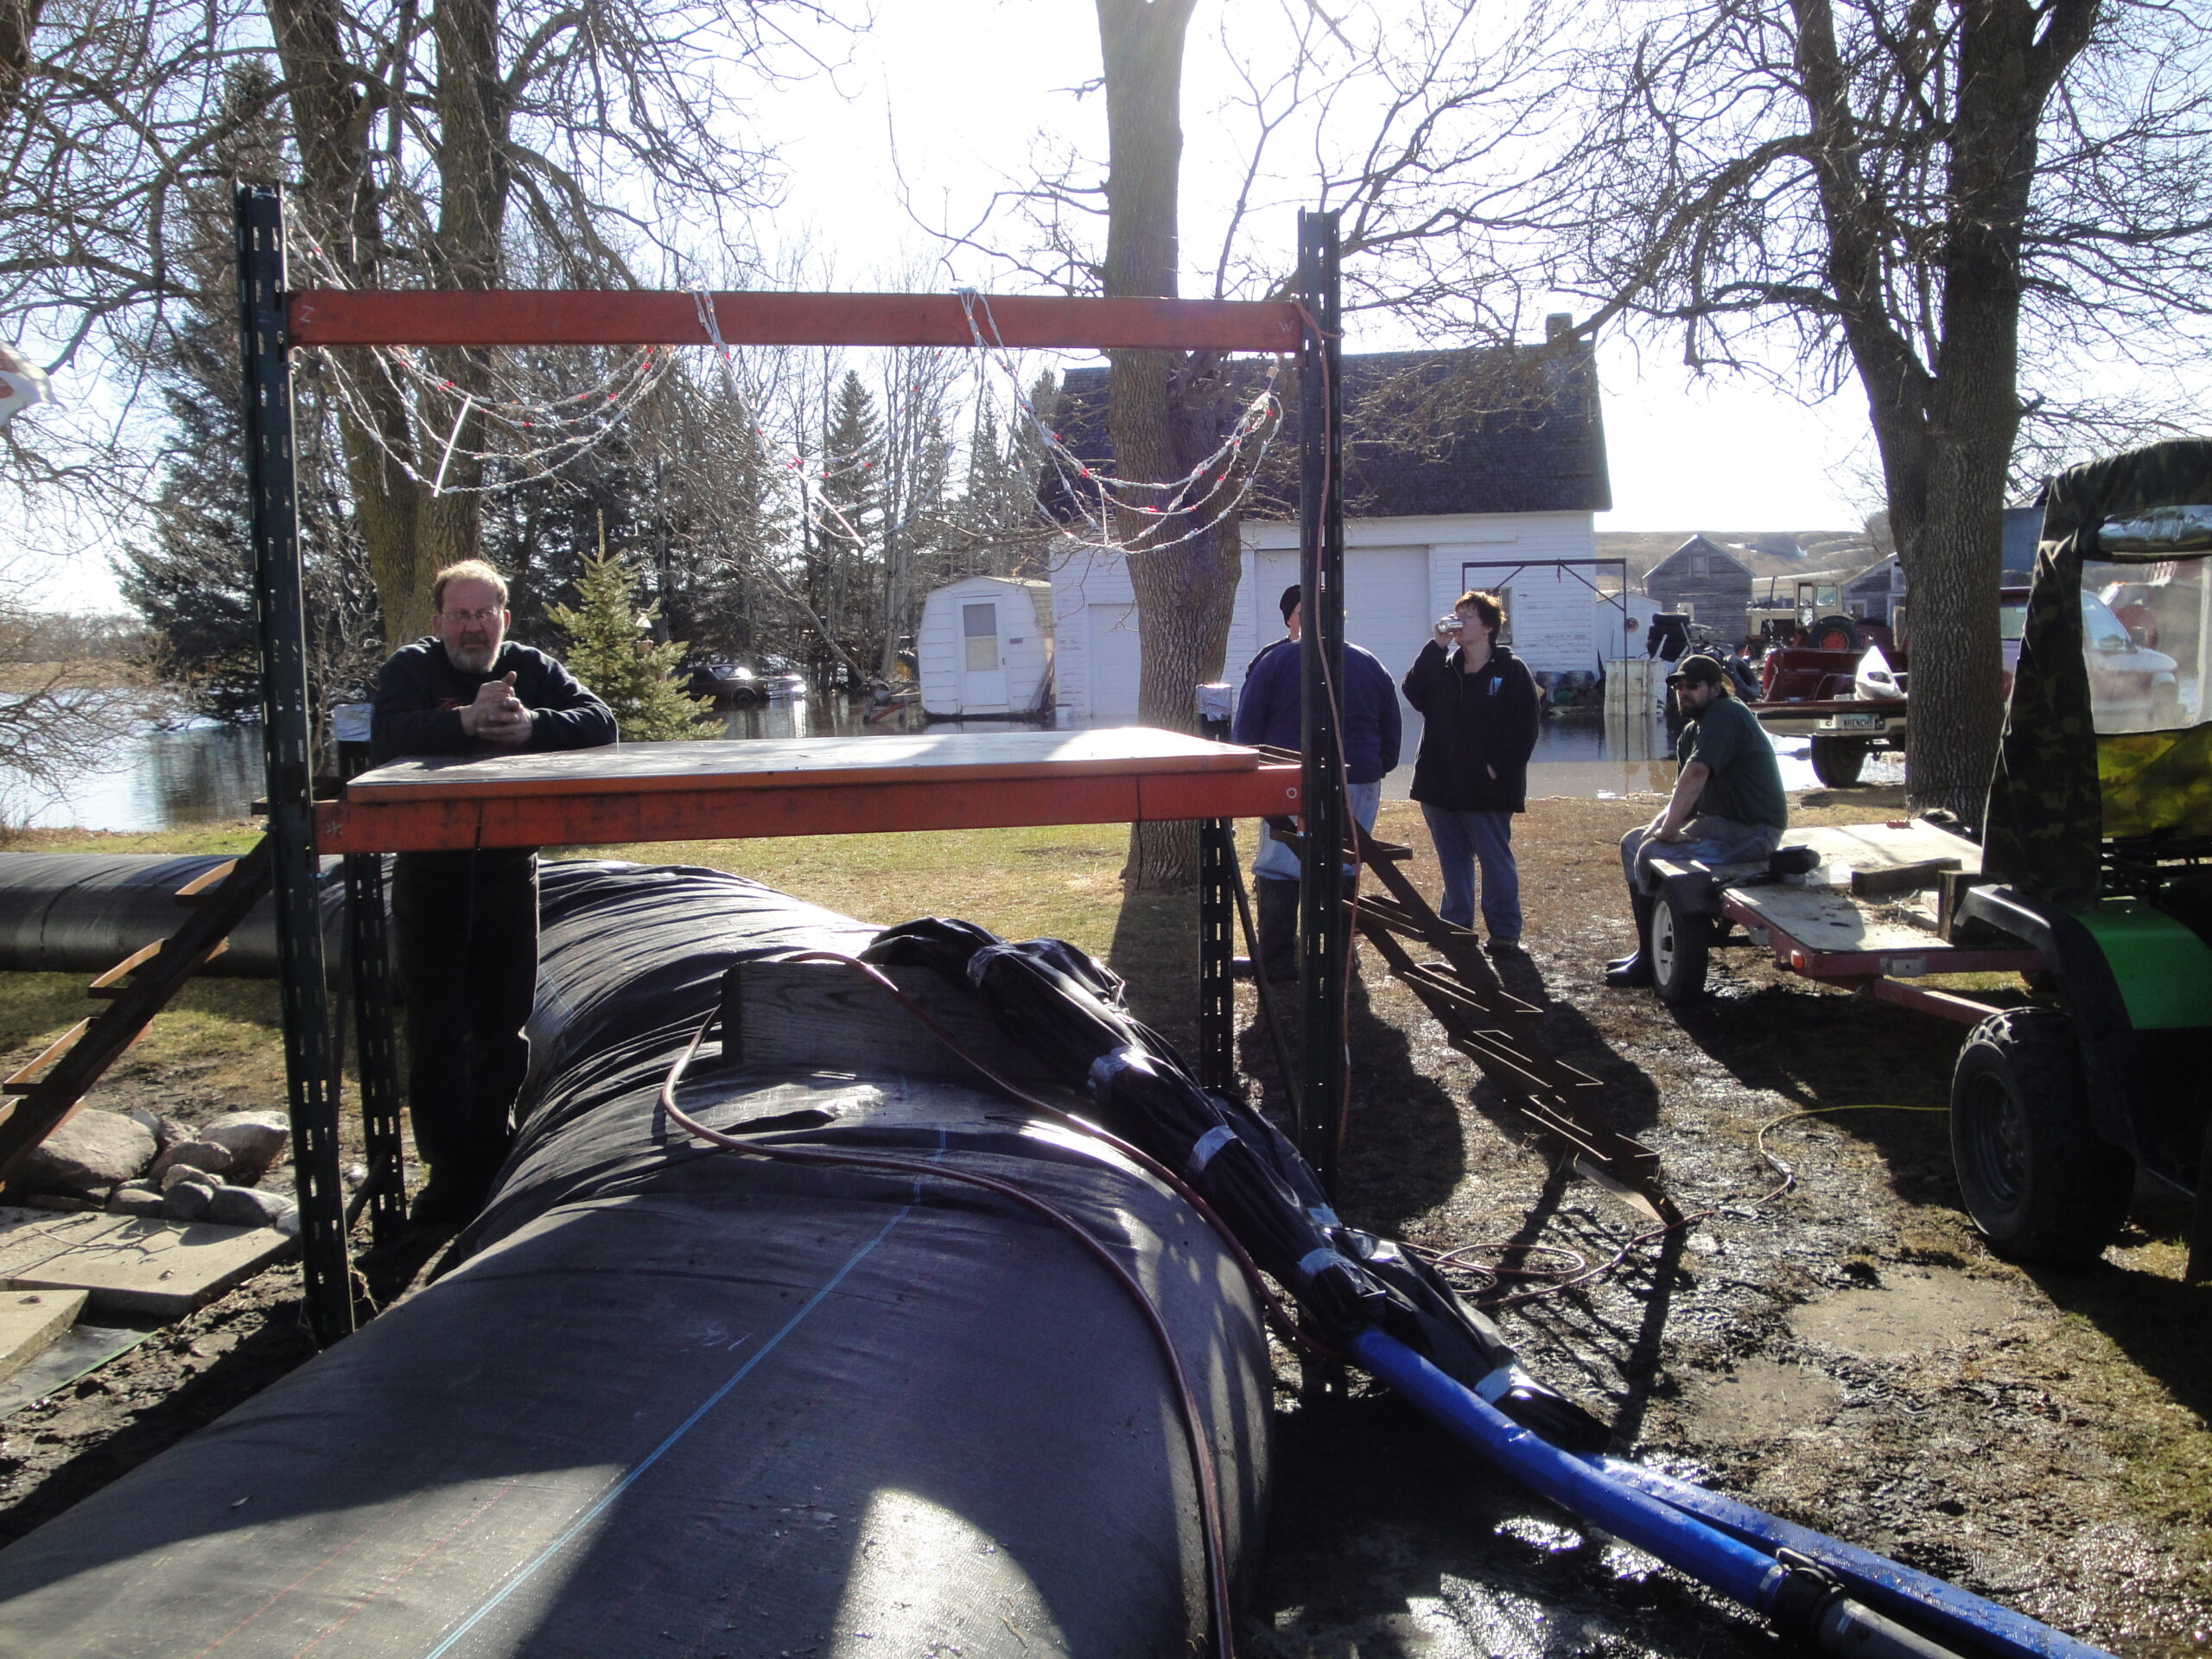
[[2059, 789]]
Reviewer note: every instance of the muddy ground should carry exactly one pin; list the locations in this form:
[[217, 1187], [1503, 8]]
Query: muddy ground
[[1845, 1353]]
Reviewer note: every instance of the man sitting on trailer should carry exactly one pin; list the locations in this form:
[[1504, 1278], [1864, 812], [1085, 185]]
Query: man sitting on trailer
[[466, 922], [1727, 806], [1271, 711]]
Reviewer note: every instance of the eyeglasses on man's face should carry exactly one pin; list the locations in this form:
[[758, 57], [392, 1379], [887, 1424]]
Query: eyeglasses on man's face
[[486, 618]]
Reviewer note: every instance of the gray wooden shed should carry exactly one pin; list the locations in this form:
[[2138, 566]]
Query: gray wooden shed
[[1708, 582]]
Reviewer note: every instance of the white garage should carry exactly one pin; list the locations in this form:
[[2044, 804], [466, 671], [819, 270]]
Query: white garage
[[1509, 497]]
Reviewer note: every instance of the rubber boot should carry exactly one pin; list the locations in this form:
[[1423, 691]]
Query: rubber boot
[[1278, 923], [1624, 973]]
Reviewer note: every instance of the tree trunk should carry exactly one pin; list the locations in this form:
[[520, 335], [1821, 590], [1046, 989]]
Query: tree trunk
[[1161, 408], [1945, 431], [410, 531]]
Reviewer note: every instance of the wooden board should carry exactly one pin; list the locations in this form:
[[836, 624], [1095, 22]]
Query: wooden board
[[1822, 918], [32, 1321], [1847, 847], [712, 791], [132, 1265], [954, 758]]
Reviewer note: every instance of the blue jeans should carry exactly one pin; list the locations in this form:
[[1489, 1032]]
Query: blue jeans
[[1463, 841], [1705, 840], [1279, 863]]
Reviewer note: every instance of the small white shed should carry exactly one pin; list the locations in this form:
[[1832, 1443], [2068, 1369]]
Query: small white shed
[[985, 647]]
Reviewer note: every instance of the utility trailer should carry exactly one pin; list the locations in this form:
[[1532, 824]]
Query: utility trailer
[[2093, 876]]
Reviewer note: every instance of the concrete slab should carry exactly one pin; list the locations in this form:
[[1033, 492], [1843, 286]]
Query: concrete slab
[[30, 1236], [157, 1269], [32, 1321]]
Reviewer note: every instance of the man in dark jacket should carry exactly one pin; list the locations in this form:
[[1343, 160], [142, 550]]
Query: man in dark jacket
[[1479, 704], [465, 924], [1270, 711]]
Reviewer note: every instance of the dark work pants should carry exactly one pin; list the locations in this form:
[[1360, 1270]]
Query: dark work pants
[[465, 927]]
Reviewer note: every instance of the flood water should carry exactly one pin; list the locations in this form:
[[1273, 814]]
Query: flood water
[[208, 773]]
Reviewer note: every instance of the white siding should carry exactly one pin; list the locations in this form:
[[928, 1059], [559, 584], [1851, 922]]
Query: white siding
[[1550, 612], [1400, 574], [1027, 647]]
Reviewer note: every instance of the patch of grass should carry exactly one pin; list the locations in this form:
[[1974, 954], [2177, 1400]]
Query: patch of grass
[[231, 838], [1060, 881]]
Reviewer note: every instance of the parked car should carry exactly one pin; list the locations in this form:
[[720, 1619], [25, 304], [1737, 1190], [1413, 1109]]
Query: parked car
[[2132, 687]]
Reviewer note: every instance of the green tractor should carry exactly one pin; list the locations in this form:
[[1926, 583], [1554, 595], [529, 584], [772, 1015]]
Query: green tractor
[[2097, 854]]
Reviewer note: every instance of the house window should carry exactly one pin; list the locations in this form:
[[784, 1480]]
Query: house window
[[1700, 565]]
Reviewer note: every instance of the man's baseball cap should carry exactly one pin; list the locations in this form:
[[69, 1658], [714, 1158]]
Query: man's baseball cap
[[1695, 671]]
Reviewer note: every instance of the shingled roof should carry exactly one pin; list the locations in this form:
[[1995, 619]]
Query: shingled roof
[[1504, 430]]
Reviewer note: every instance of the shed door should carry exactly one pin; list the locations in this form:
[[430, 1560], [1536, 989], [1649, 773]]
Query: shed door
[[1116, 658], [982, 664]]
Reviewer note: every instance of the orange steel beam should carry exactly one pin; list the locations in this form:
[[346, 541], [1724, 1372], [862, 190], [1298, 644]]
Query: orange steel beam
[[511, 317], [718, 814]]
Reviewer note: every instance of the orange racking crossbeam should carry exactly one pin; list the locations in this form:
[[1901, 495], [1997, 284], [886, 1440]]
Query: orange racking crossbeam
[[814, 809], [552, 317]]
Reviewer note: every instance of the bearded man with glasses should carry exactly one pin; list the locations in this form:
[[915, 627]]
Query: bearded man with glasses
[[465, 923]]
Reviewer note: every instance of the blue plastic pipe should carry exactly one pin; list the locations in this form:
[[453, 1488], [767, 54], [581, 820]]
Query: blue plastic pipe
[[1715, 1538], [1881, 1582], [1749, 1575]]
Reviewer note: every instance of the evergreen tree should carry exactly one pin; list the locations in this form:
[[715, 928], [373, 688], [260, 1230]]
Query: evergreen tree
[[610, 650], [191, 580], [843, 569]]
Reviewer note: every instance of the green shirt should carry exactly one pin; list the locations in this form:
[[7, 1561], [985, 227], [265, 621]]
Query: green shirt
[[1746, 783]]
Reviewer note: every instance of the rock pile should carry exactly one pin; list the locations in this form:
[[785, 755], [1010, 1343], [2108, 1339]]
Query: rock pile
[[144, 1164]]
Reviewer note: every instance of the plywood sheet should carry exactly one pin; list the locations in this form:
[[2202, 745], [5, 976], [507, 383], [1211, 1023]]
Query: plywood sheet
[[955, 758], [1847, 847], [162, 1269], [1823, 919], [32, 1321]]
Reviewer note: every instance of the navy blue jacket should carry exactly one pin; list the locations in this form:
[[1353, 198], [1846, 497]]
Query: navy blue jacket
[[1475, 723], [1269, 712], [420, 694]]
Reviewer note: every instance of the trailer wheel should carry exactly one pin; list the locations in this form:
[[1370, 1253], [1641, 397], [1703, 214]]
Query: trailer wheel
[[2036, 1180], [1679, 943], [1837, 761]]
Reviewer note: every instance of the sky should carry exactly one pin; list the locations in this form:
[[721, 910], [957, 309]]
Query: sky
[[938, 104], [917, 120]]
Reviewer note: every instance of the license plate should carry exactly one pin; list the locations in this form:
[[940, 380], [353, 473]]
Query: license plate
[[1858, 722]]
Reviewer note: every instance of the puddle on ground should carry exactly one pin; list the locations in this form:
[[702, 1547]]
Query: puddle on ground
[[1761, 1399], [1907, 1315]]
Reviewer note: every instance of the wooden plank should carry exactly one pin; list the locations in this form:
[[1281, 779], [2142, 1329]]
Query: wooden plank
[[24, 1079], [161, 1270], [32, 1321], [554, 317], [1894, 879], [812, 808], [809, 1016], [193, 891], [106, 984], [950, 757], [1822, 920], [49, 1102]]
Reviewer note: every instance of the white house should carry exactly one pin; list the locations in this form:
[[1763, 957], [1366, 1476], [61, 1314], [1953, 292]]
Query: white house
[[985, 647], [1483, 470]]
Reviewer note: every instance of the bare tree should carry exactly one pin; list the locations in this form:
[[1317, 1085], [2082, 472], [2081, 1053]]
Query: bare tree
[[433, 141], [1923, 198]]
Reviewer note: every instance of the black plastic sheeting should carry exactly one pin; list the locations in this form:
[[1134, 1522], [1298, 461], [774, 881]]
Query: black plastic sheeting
[[83, 913], [679, 1401], [1069, 1011]]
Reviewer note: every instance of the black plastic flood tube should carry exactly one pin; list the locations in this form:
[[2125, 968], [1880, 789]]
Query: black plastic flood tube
[[1671, 1520]]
